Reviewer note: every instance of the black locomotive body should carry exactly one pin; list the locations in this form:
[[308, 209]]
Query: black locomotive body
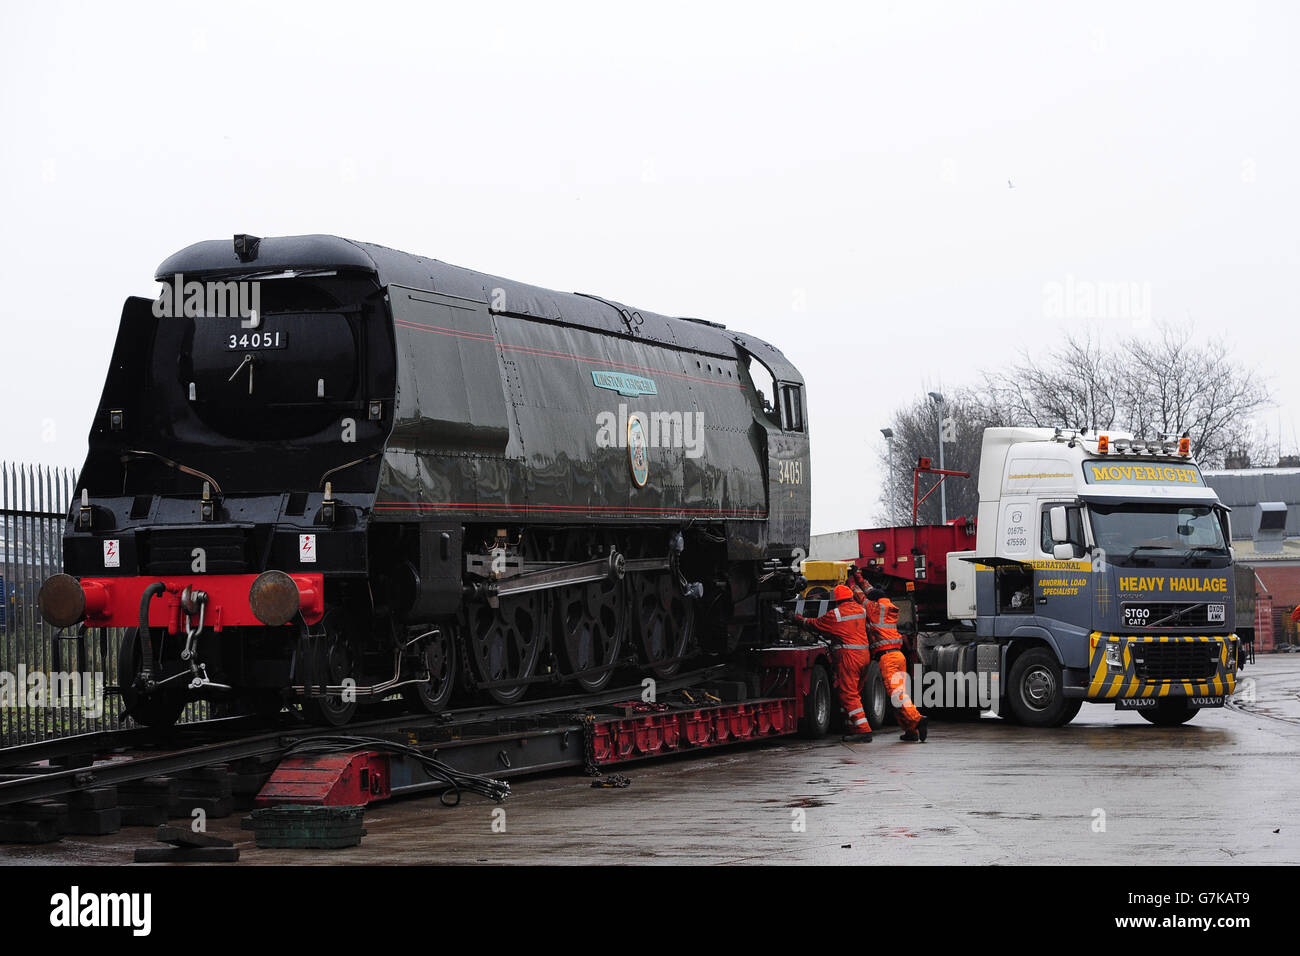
[[400, 475]]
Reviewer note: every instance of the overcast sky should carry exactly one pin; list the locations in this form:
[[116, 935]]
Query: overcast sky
[[885, 191]]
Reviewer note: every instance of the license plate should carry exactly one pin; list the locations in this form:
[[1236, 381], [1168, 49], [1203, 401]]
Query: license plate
[[1137, 616], [1215, 613], [256, 341]]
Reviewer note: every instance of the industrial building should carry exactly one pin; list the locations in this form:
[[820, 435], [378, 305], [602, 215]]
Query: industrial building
[[1265, 505]]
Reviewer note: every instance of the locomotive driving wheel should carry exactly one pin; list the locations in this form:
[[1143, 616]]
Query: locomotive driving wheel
[[663, 622], [437, 663], [505, 644], [591, 623]]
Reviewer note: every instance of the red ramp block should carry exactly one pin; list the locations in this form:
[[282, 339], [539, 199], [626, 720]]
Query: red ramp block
[[329, 780]]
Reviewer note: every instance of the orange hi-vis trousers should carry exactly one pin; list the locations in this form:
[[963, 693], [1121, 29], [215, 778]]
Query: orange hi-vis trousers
[[893, 670], [850, 665]]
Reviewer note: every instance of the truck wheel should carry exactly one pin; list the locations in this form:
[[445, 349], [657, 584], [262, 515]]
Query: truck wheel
[[1037, 694], [1170, 713], [1071, 711], [875, 699], [816, 720]]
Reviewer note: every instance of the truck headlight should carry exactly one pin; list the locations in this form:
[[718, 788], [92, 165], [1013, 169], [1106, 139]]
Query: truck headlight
[[1114, 655]]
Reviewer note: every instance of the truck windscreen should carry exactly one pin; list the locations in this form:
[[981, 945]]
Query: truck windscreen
[[1132, 534]]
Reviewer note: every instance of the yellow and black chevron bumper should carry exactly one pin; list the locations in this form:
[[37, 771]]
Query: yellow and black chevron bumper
[[1130, 667]]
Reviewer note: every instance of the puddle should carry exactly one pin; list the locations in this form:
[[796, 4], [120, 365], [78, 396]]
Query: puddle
[[897, 832], [808, 802]]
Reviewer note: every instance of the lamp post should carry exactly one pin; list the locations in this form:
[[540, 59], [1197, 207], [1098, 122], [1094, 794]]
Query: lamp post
[[943, 493], [893, 507]]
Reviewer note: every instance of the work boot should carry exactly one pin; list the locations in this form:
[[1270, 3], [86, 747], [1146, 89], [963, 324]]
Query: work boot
[[856, 738], [923, 728], [910, 737]]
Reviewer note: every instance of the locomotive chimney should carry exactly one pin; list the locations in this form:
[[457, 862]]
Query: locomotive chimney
[[246, 247]]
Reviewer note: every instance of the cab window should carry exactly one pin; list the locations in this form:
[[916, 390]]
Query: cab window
[[764, 388], [792, 408], [1073, 524]]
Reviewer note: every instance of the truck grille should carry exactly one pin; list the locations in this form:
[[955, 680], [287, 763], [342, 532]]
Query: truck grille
[[172, 552], [1175, 660]]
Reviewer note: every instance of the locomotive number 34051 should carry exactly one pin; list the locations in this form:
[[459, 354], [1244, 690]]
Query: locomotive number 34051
[[257, 340], [789, 472]]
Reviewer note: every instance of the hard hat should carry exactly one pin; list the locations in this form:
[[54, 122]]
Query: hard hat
[[842, 593], [875, 594]]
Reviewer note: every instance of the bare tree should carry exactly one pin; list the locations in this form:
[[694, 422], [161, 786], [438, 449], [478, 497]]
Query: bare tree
[[1168, 384], [917, 430], [1074, 385], [1165, 384]]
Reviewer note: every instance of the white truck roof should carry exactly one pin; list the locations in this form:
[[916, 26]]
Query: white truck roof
[[1032, 461]]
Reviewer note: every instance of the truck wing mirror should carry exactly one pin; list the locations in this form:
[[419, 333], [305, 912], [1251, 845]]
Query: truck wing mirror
[[1060, 530], [1063, 552]]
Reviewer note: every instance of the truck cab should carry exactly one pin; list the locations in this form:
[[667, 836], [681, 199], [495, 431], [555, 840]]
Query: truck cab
[[1102, 572]]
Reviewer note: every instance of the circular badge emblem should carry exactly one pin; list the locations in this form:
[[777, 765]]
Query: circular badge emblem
[[638, 455]]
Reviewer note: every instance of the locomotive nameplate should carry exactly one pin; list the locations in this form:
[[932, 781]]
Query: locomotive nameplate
[[633, 386]]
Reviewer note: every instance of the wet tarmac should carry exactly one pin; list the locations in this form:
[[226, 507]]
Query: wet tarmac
[[1107, 789]]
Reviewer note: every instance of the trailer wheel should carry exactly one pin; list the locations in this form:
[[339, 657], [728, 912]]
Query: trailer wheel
[[816, 720], [875, 699], [1037, 693], [1170, 713]]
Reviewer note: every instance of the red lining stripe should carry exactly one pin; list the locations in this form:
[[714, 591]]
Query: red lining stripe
[[439, 329], [470, 506]]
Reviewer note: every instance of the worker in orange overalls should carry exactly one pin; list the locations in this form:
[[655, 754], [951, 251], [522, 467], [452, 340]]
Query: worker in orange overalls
[[887, 647], [845, 624]]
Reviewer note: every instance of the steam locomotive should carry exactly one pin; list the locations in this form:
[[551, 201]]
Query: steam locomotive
[[326, 472]]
